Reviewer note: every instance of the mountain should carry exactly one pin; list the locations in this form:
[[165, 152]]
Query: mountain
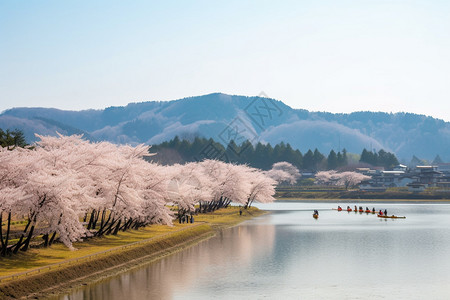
[[225, 117]]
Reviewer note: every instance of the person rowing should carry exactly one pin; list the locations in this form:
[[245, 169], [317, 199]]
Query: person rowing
[[316, 214], [380, 212], [373, 210], [385, 212]]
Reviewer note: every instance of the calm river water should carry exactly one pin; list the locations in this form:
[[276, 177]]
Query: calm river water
[[290, 255]]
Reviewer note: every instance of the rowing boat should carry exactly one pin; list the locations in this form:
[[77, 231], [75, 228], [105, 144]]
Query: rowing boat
[[315, 216], [391, 217]]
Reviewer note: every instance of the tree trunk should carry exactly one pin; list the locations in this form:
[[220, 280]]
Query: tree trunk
[[210, 206], [246, 204], [91, 220], [108, 226], [127, 224], [1, 232], [19, 243], [52, 239], [105, 224], [117, 227], [111, 226], [96, 216], [8, 227], [136, 225], [27, 241], [250, 203], [45, 238], [111, 214], [28, 224], [103, 218]]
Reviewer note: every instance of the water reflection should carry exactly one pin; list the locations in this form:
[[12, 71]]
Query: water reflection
[[288, 254], [234, 248]]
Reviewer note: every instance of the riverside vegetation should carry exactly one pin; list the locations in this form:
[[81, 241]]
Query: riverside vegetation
[[65, 191], [56, 269], [69, 190]]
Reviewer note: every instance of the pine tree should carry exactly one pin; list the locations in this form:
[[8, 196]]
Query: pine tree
[[344, 157], [12, 138], [308, 160], [318, 159], [333, 160]]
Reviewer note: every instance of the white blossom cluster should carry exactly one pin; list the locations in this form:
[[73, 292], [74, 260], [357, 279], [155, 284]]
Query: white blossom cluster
[[346, 179]]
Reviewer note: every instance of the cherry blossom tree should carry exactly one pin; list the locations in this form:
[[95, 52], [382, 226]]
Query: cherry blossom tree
[[119, 188], [326, 177], [68, 189], [132, 190], [66, 178], [227, 183], [188, 187], [284, 172], [346, 179], [13, 175], [57, 189], [262, 187], [238, 183], [350, 179], [154, 192]]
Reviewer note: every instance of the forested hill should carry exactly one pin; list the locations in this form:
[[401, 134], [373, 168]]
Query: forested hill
[[225, 117], [263, 156]]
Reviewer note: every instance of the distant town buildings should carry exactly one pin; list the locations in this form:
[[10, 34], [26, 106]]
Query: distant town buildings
[[417, 179]]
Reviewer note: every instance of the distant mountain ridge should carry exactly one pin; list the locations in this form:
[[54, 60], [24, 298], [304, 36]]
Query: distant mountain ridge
[[225, 117]]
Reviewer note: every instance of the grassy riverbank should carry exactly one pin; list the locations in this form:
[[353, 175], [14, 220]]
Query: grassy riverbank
[[42, 271]]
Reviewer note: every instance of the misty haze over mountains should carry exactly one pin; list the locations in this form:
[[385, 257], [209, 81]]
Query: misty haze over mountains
[[224, 117]]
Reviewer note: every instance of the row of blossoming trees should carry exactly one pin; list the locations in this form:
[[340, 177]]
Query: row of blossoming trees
[[68, 189], [345, 179]]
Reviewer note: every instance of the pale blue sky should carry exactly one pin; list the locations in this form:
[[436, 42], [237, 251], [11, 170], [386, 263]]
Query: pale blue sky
[[337, 56]]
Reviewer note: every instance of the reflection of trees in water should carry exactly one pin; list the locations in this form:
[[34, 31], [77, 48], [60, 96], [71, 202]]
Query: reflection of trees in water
[[236, 246]]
